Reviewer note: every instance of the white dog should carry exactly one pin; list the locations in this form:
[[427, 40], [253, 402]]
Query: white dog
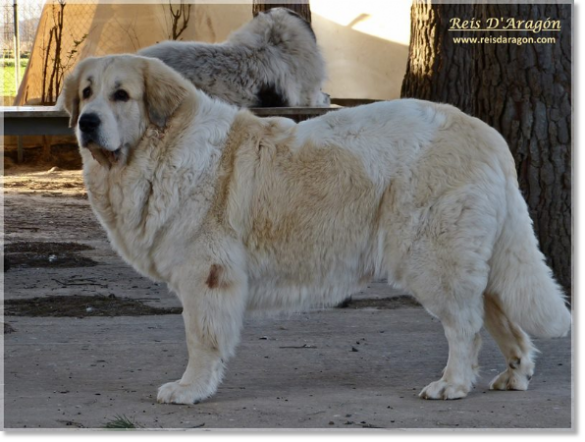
[[272, 61], [236, 212]]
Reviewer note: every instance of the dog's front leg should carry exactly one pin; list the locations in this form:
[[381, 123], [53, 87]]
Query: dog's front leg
[[213, 311]]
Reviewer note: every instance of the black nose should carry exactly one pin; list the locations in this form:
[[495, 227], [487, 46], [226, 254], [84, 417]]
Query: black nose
[[89, 122]]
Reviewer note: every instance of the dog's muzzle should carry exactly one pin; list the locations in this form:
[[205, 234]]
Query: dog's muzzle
[[89, 125]]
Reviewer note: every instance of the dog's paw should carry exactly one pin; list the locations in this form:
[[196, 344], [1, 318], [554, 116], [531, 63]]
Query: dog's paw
[[177, 393], [444, 390], [510, 380]]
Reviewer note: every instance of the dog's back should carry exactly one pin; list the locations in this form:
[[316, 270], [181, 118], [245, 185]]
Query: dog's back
[[367, 183]]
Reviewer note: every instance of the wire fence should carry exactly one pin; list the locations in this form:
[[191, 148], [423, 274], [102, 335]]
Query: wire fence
[[53, 35], [16, 46]]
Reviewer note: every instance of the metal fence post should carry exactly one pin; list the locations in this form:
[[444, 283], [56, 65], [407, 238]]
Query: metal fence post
[[16, 46], [20, 148]]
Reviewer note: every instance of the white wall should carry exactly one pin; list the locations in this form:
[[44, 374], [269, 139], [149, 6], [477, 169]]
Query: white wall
[[365, 44]]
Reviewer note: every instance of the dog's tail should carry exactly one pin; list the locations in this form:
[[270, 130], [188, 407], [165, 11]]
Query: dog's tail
[[520, 278]]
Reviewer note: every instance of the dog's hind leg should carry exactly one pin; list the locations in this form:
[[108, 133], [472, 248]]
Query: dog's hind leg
[[449, 283], [213, 312], [514, 344], [462, 332]]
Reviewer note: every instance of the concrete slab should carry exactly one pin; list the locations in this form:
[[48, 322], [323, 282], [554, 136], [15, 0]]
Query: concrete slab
[[50, 219], [69, 372]]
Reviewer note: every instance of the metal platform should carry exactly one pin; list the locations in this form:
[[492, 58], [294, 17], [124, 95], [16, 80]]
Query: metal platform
[[47, 120]]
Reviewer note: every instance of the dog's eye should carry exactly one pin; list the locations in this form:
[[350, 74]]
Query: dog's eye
[[87, 93], [121, 95]]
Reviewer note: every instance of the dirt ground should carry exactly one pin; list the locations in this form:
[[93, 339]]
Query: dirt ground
[[46, 182], [88, 341]]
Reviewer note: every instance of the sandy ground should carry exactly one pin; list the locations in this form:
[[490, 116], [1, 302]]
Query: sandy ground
[[359, 367], [49, 181]]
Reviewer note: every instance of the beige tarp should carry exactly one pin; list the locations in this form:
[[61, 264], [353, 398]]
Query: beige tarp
[[364, 42], [102, 28]]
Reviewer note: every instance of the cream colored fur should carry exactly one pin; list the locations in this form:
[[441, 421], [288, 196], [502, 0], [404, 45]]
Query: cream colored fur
[[235, 213]]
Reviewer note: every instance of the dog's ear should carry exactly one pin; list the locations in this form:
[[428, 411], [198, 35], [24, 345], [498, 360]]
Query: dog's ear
[[164, 91], [69, 98]]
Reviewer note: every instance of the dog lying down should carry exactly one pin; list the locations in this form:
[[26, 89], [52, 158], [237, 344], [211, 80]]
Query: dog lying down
[[272, 61], [237, 212]]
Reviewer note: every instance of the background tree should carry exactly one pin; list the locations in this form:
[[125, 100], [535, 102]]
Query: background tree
[[55, 60], [301, 7], [523, 91], [181, 15]]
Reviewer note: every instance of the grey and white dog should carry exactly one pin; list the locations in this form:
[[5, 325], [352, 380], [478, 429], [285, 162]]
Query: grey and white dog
[[272, 61]]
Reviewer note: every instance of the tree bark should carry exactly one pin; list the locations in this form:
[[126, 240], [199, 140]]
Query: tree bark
[[437, 69], [523, 91], [525, 94], [301, 7]]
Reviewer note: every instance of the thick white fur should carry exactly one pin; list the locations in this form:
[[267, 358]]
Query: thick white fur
[[273, 60], [236, 212]]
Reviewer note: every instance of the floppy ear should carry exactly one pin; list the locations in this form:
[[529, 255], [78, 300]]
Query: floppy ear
[[69, 98], [163, 92]]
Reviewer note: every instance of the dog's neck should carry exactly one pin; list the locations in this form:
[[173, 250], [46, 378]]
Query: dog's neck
[[168, 170]]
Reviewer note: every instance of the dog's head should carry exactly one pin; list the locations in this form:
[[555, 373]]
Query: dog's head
[[286, 17], [112, 100], [276, 26]]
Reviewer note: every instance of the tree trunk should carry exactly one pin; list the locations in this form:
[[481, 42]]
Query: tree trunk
[[437, 69], [301, 7], [522, 90], [525, 94]]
